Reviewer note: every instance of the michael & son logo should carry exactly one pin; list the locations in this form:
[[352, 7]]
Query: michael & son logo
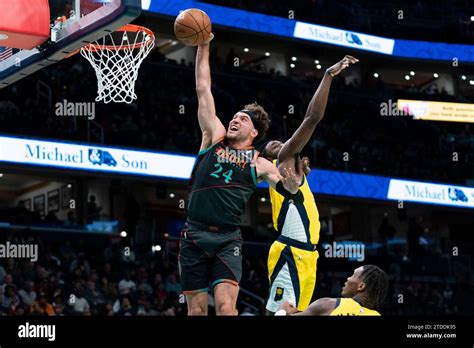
[[456, 195], [100, 157], [75, 157], [105, 158]]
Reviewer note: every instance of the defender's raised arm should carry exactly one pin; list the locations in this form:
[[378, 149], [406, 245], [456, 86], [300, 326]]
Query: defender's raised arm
[[315, 111]]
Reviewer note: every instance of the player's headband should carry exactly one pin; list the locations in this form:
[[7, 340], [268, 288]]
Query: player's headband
[[251, 114], [258, 125]]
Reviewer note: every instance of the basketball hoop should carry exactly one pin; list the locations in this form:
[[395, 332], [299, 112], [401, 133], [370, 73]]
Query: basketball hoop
[[116, 59]]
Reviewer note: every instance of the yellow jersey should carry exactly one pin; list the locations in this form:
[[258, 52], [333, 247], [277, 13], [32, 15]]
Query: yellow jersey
[[348, 306], [296, 221]]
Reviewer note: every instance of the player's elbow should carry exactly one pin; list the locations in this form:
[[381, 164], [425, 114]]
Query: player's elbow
[[313, 118], [202, 87], [289, 150]]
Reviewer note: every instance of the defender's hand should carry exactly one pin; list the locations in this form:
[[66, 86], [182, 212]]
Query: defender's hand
[[290, 181], [340, 66]]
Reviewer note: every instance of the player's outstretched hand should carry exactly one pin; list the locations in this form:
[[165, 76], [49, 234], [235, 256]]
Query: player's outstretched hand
[[340, 66], [290, 181]]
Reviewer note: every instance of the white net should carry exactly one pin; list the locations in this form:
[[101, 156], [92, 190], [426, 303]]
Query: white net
[[116, 59]]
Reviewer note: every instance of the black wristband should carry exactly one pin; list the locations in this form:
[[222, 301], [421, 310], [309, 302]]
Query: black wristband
[[296, 197]]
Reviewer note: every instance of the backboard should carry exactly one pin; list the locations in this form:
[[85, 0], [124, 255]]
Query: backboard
[[74, 23]]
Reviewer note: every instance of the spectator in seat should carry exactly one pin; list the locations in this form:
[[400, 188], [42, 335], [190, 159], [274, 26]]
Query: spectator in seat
[[80, 263], [149, 310], [78, 302], [42, 307], [109, 309], [126, 308], [93, 211], [109, 289], [93, 295], [59, 310], [3, 287], [10, 299], [126, 285], [27, 294], [172, 285], [161, 293], [3, 273], [109, 272]]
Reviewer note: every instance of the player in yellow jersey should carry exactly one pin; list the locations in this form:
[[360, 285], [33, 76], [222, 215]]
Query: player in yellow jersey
[[363, 294], [293, 257]]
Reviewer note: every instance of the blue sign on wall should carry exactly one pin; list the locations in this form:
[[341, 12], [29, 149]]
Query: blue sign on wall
[[25, 151]]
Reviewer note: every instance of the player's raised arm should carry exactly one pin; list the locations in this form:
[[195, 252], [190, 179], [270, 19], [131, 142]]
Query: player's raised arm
[[211, 127], [315, 111]]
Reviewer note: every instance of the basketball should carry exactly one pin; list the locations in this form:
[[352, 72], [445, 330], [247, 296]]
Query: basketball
[[192, 27]]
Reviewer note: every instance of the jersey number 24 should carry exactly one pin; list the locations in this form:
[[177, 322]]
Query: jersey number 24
[[217, 173]]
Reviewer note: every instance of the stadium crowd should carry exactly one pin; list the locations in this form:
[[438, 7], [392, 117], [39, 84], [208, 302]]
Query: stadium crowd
[[98, 275], [87, 277]]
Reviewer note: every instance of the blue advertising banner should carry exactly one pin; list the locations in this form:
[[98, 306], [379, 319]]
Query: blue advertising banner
[[68, 155], [335, 183], [114, 160]]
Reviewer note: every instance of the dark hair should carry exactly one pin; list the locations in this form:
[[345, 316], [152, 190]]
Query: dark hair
[[376, 283], [261, 120], [263, 146]]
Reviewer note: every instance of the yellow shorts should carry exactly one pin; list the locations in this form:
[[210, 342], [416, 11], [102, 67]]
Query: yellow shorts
[[292, 273]]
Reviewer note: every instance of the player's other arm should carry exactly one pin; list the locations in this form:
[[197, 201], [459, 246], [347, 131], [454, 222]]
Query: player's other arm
[[323, 306], [211, 127], [314, 112]]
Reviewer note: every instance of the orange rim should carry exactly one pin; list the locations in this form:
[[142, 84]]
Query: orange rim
[[129, 28]]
